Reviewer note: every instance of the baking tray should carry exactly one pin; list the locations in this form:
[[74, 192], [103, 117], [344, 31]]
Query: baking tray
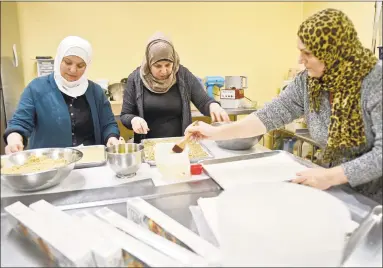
[[232, 159], [194, 160], [83, 149], [255, 156]]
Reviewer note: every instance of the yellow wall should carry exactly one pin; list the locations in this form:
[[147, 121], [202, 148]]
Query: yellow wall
[[361, 14], [12, 76], [254, 39], [10, 34], [9, 28]]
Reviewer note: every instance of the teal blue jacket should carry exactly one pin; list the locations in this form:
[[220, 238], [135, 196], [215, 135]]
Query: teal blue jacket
[[42, 115]]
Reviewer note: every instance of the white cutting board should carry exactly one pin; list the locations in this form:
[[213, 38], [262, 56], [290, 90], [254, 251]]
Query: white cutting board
[[276, 168]]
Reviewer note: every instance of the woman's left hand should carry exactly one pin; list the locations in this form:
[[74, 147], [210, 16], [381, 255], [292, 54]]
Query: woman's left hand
[[217, 113], [112, 141], [321, 178]]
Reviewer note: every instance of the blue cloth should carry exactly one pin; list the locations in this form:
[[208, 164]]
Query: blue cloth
[[43, 115]]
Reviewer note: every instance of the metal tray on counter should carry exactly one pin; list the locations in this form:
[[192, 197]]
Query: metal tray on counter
[[209, 154], [257, 155], [223, 181], [96, 162]]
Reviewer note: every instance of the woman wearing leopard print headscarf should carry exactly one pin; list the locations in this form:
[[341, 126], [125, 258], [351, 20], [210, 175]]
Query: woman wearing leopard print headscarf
[[340, 96]]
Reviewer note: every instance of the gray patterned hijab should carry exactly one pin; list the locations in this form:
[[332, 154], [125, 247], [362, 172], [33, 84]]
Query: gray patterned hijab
[[159, 48]]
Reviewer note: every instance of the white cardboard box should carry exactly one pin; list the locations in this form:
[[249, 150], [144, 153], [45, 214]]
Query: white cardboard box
[[59, 248], [160, 243], [146, 215], [104, 252], [135, 252]]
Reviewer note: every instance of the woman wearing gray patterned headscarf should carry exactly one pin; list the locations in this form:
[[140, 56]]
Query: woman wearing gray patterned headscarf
[[158, 94]]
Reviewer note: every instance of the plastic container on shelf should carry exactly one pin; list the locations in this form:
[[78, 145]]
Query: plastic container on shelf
[[318, 157], [288, 144]]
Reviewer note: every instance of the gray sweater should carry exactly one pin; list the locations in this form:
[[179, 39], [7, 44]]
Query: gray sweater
[[364, 173], [190, 89]]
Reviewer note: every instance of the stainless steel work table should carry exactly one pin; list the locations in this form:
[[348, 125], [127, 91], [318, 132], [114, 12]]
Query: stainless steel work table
[[174, 200]]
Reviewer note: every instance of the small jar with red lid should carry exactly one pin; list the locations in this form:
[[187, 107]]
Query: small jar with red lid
[[196, 169]]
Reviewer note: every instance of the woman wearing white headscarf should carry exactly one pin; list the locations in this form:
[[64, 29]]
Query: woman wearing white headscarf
[[63, 109], [158, 94]]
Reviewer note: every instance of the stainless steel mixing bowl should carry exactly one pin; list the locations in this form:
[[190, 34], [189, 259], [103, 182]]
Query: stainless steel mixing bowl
[[237, 144], [125, 159], [36, 181]]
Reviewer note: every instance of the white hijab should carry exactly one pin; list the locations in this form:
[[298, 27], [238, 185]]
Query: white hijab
[[73, 46]]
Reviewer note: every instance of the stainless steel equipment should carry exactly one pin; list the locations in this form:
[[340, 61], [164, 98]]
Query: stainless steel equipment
[[235, 82], [173, 200], [237, 144], [366, 240], [233, 93], [2, 120], [377, 27], [125, 164], [116, 91], [11, 69], [39, 180]]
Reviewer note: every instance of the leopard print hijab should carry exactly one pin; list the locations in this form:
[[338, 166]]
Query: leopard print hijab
[[332, 38]]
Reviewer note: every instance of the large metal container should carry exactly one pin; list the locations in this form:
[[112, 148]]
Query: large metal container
[[237, 144], [125, 158], [39, 180], [364, 248]]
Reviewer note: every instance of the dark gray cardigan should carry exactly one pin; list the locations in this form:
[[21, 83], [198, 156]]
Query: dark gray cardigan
[[190, 89]]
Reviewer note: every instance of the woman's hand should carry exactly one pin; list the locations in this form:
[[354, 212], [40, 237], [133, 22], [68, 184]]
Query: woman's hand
[[139, 125], [321, 178], [15, 143], [112, 141], [201, 131], [217, 113]]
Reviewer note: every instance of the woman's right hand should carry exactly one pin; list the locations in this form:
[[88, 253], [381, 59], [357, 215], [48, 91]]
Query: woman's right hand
[[15, 143], [202, 131], [139, 125]]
